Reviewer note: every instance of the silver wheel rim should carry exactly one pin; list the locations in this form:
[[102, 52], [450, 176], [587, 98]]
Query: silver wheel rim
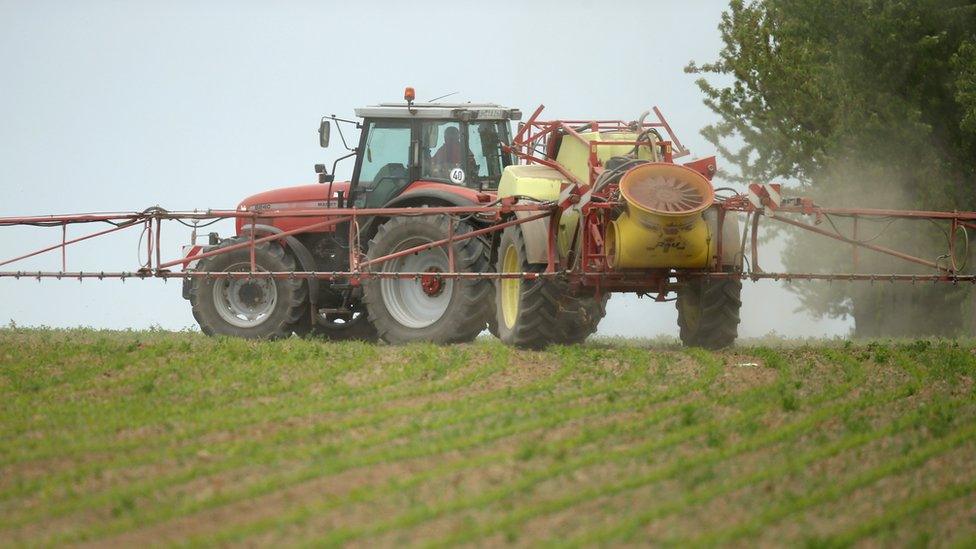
[[405, 298], [242, 302]]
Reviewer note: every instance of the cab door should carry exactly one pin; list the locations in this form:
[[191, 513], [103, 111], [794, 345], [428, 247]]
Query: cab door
[[386, 165], [465, 154], [442, 152]]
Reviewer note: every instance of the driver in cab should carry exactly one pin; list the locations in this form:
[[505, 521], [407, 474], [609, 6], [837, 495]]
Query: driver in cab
[[450, 154]]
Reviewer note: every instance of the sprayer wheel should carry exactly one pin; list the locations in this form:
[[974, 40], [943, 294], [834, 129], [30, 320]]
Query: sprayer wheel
[[258, 308], [708, 312], [536, 313], [432, 308], [580, 316]]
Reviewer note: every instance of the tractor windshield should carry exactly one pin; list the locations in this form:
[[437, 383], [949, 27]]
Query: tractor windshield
[[485, 139], [443, 155], [466, 154]]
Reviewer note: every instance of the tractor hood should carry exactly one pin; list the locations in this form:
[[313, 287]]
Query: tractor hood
[[302, 197], [295, 198]]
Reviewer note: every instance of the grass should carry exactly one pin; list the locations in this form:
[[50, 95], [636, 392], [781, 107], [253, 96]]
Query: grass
[[136, 437]]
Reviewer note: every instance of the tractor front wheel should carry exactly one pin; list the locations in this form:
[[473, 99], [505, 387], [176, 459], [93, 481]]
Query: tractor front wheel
[[708, 312], [427, 307], [253, 308]]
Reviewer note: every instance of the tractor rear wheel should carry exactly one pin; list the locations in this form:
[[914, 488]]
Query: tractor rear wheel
[[708, 312], [429, 307], [539, 312], [253, 308]]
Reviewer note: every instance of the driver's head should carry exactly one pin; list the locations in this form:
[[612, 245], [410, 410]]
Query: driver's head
[[452, 135]]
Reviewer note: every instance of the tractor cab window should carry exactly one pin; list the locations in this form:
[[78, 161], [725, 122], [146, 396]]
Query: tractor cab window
[[466, 154], [442, 152], [485, 139], [385, 162]]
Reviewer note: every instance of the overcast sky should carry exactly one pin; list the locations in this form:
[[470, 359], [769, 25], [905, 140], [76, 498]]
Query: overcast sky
[[123, 105]]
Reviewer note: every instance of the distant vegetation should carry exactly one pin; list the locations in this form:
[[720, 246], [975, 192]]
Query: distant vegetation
[[859, 103], [155, 437]]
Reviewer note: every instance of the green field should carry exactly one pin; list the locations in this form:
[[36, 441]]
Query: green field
[[159, 437]]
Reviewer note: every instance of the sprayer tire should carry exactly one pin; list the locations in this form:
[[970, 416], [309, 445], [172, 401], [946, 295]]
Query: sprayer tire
[[545, 312], [580, 317], [283, 301], [492, 322], [708, 312], [394, 304]]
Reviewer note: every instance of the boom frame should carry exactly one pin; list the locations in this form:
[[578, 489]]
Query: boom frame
[[586, 268]]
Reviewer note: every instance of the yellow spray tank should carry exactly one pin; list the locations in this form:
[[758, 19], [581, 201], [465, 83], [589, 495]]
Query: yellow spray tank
[[543, 183], [662, 226]]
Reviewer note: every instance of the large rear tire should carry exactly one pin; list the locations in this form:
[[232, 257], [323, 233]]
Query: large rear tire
[[257, 308], [536, 313], [433, 309], [708, 312]]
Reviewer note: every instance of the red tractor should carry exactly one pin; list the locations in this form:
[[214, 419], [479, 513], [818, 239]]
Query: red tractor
[[409, 155]]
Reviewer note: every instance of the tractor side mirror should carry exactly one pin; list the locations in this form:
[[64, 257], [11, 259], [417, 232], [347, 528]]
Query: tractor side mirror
[[325, 128], [324, 176]]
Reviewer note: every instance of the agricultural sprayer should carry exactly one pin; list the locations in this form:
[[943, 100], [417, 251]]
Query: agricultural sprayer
[[451, 225]]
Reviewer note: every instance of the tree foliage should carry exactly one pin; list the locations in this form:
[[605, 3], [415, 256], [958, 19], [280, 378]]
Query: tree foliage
[[858, 103]]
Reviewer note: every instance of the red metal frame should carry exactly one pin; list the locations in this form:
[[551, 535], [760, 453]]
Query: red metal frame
[[586, 268], [152, 223], [536, 133], [590, 270]]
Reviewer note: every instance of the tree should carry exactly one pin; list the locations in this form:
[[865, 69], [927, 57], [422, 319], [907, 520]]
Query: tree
[[856, 103]]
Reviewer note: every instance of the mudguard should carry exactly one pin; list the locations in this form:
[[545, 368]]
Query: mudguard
[[427, 195]]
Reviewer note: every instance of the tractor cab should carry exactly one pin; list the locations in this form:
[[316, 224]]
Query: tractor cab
[[409, 145]]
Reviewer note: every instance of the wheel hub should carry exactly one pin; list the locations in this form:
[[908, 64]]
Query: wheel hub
[[432, 284], [251, 295], [417, 303], [245, 303]]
